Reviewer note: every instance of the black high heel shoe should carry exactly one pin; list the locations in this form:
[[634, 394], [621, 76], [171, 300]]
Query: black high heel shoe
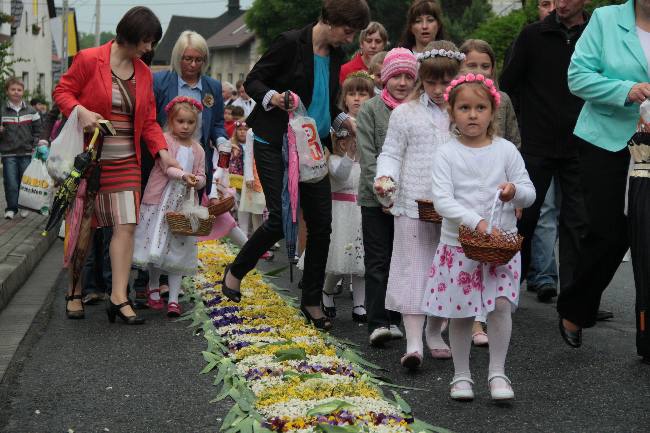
[[231, 294], [74, 314], [573, 339], [328, 311], [324, 323], [113, 310]]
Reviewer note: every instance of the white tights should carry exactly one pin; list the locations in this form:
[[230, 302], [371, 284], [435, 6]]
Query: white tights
[[358, 292], [413, 324], [237, 236], [174, 282], [246, 218], [499, 330]]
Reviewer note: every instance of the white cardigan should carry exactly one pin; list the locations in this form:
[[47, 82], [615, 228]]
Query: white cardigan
[[415, 130], [465, 182]]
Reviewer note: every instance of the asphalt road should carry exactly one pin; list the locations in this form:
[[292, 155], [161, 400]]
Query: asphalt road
[[89, 376]]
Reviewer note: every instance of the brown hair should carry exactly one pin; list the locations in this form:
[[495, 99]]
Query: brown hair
[[374, 27], [355, 83], [14, 80], [417, 9], [480, 46], [436, 68], [351, 13], [377, 61], [139, 24], [479, 89]]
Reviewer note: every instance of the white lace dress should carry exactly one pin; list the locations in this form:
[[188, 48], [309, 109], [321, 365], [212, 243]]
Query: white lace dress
[[155, 245]]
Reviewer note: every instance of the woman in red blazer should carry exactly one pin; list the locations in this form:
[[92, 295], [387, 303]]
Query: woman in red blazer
[[111, 82]]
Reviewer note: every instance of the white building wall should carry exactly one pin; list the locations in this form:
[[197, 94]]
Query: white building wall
[[35, 49]]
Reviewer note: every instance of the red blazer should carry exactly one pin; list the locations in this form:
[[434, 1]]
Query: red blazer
[[88, 83]]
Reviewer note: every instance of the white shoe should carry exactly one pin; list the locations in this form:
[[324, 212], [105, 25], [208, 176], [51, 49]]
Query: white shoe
[[24, 213], [501, 393], [10, 214], [380, 335], [462, 394], [395, 332]]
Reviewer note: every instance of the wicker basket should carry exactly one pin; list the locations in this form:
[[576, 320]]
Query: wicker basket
[[180, 225], [224, 204], [496, 249], [427, 212]]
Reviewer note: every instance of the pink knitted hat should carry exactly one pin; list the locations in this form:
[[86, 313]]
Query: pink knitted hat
[[399, 61]]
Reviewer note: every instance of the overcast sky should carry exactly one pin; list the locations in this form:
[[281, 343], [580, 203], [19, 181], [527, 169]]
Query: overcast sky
[[112, 10]]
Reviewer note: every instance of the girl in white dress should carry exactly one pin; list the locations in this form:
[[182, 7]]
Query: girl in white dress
[[415, 130], [345, 255], [157, 249], [467, 175]]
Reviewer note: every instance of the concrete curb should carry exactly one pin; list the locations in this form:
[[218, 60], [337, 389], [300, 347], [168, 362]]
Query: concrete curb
[[19, 264]]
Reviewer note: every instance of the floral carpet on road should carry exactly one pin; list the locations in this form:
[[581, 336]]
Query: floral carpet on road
[[282, 374]]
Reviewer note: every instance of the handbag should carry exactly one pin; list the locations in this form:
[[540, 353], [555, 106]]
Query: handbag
[[36, 187], [312, 163], [65, 147]]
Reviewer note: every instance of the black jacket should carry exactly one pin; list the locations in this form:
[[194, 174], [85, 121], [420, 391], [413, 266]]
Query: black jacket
[[535, 75], [288, 65]]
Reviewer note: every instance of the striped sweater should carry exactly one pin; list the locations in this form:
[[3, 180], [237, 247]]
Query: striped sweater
[[21, 130]]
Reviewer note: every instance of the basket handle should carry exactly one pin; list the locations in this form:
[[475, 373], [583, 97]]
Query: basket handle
[[496, 210]]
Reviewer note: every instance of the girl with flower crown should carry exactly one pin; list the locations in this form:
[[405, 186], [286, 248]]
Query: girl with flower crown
[[468, 173], [415, 130], [156, 248]]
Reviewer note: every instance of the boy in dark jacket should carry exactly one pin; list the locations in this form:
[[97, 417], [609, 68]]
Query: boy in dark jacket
[[19, 136]]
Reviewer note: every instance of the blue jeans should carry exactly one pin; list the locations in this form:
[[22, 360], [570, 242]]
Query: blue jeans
[[543, 267], [13, 168]]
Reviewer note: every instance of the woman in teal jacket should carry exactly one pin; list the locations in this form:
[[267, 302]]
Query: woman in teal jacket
[[609, 70]]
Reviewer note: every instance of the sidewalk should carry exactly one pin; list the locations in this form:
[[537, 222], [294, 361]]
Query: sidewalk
[[21, 248]]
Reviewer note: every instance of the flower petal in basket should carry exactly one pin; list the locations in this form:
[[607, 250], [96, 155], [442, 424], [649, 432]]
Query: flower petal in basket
[[223, 204]]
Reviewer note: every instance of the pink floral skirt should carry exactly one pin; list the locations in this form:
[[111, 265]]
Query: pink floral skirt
[[460, 287]]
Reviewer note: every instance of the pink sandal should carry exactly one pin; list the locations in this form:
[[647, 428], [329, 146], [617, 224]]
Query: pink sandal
[[174, 310], [153, 303]]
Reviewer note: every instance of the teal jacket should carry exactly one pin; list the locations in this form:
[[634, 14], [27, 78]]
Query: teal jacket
[[607, 62]]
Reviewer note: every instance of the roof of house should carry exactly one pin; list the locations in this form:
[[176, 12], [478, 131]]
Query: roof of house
[[206, 27], [234, 35]]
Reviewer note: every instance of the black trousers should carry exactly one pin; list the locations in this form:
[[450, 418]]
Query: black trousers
[[603, 175], [316, 204], [378, 233], [572, 224], [639, 218]]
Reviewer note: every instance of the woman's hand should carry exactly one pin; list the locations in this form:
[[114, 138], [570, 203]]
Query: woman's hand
[[482, 226], [167, 160], [379, 186], [250, 184], [508, 191], [278, 100], [351, 148], [639, 93], [190, 180], [88, 119]]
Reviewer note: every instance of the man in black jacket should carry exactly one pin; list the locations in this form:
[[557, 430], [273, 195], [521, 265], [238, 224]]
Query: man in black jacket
[[536, 75]]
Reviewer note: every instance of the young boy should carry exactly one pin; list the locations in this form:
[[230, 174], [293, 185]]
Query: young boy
[[19, 135], [231, 114]]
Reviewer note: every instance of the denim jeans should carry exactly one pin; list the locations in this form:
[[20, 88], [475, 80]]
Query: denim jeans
[[543, 267], [13, 168], [96, 276]]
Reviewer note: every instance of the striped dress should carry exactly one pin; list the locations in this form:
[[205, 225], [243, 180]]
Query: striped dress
[[118, 200]]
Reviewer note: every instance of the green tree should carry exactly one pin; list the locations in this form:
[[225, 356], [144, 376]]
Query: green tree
[[269, 18], [87, 40], [7, 62], [392, 14], [477, 12]]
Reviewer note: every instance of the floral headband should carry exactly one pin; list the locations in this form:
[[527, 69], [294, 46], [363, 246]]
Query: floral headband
[[239, 123], [361, 74], [183, 99], [440, 53], [478, 78]]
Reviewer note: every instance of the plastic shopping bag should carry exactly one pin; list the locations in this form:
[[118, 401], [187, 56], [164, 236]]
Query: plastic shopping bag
[[36, 187], [312, 161], [68, 144]]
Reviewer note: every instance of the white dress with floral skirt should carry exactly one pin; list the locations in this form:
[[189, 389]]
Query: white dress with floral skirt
[[155, 244]]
